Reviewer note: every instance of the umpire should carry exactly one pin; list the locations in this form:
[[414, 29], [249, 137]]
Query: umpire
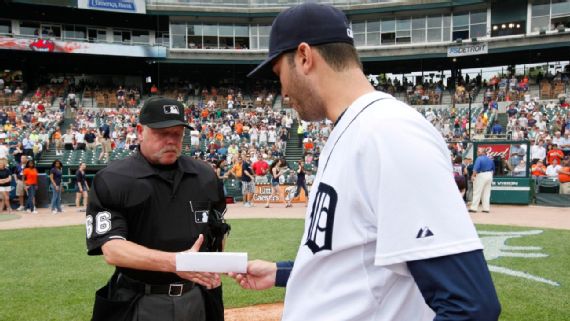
[[146, 208]]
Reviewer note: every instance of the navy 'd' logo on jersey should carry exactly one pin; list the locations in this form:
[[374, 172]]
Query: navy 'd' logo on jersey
[[320, 232]]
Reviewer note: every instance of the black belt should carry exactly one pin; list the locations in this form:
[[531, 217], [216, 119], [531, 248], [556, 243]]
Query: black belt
[[173, 289]]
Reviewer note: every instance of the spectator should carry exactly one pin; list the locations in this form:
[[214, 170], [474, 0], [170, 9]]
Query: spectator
[[482, 176], [538, 170], [301, 184], [520, 169], [553, 168], [5, 186], [90, 140], [537, 151], [497, 129], [221, 172], [260, 168], [55, 177], [82, 188], [248, 182], [554, 153], [460, 175], [565, 141], [68, 139], [564, 177], [30, 177]]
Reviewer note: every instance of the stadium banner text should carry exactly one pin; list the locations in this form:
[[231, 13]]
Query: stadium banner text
[[468, 50], [126, 6], [263, 192], [72, 47], [500, 150]]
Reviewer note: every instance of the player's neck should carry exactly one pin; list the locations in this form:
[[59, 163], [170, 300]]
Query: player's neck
[[342, 89]]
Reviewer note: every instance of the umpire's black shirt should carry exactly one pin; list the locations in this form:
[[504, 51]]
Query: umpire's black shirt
[[159, 207]]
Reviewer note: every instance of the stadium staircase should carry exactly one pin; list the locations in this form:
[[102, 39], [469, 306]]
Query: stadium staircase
[[278, 103], [293, 152], [446, 98], [503, 119]]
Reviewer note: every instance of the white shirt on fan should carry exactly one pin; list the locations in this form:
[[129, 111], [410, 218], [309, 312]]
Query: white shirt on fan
[[375, 208]]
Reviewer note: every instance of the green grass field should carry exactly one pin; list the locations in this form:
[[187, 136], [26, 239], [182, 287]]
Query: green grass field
[[46, 275]]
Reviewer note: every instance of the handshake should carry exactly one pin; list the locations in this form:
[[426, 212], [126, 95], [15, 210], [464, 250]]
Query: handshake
[[254, 275]]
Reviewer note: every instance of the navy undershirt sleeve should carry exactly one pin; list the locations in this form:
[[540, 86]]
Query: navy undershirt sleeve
[[457, 287], [283, 271]]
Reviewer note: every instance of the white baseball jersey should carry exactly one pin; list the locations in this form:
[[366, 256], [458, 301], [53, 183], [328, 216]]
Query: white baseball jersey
[[384, 194]]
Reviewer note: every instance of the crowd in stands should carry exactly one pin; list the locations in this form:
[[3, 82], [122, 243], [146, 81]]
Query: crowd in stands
[[229, 123]]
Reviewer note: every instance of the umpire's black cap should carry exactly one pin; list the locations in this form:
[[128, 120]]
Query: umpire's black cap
[[160, 112]]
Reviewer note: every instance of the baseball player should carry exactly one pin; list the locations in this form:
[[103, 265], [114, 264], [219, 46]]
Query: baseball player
[[387, 236]]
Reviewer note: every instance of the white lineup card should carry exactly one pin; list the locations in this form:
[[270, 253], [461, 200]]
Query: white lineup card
[[219, 262]]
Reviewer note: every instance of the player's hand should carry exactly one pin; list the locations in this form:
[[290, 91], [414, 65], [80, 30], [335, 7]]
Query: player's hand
[[260, 275], [207, 279]]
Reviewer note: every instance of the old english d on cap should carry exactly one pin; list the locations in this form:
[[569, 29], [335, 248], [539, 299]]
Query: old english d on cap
[[313, 23], [160, 112]]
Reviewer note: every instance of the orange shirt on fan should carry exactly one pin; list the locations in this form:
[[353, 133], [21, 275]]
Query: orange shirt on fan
[[538, 170], [30, 176], [564, 175]]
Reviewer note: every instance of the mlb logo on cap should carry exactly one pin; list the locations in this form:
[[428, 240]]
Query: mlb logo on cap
[[171, 109], [160, 112]]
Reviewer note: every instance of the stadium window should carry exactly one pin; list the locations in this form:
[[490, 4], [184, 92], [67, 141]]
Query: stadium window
[[264, 37], [29, 29], [140, 37], [195, 37], [550, 15], [254, 37], [242, 37], [210, 33], [419, 29], [80, 33], [178, 34], [388, 31], [560, 14], [5, 27], [477, 24], [403, 33], [226, 37], [560, 7], [68, 32], [359, 33], [434, 28], [373, 32], [51, 31], [122, 36], [163, 38], [446, 28], [460, 26]]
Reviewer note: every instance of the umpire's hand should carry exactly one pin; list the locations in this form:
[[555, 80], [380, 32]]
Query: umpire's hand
[[208, 280]]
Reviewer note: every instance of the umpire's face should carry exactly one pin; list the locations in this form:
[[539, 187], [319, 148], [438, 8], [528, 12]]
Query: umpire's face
[[160, 145]]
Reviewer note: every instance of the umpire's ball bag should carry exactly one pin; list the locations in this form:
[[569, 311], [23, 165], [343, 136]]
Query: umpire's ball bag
[[107, 309]]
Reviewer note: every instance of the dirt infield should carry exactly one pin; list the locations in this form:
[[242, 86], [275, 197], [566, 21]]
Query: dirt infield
[[531, 216]]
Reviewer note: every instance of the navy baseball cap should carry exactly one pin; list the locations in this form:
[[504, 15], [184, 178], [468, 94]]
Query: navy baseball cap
[[312, 23], [160, 112]]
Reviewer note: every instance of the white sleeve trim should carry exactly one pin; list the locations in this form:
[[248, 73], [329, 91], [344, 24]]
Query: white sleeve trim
[[428, 252], [113, 237]]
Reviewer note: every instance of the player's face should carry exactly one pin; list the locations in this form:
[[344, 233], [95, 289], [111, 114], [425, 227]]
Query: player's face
[[299, 89], [161, 146]]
